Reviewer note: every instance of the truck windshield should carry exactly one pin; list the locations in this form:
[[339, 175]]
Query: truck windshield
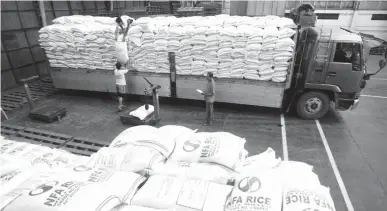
[[349, 53]]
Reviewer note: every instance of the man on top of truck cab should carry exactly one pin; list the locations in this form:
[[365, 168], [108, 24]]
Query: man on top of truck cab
[[209, 97]]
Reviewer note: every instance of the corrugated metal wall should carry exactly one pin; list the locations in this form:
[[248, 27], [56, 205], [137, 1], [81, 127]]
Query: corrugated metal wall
[[238, 8], [262, 8], [21, 55]]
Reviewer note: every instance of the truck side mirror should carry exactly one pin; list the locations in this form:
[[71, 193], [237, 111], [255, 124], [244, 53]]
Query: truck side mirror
[[382, 63]]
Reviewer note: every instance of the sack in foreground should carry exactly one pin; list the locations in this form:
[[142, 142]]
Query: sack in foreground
[[166, 192], [256, 191], [61, 193], [203, 171], [219, 147], [307, 198]]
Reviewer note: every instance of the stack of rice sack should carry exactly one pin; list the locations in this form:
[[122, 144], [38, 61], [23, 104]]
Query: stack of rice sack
[[257, 48], [42, 178], [167, 168], [177, 181], [80, 42], [277, 49], [149, 44], [267, 183]]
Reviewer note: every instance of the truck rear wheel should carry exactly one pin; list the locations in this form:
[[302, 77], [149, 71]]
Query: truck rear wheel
[[313, 105]]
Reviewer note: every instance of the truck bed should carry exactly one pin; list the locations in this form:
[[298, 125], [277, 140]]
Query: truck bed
[[228, 90]]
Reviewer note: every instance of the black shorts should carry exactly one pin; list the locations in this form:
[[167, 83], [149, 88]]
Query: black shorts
[[120, 90]]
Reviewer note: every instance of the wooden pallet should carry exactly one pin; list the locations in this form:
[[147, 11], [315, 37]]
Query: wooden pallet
[[16, 98]]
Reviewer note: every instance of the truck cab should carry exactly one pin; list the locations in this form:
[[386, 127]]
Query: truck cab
[[329, 68], [337, 66]]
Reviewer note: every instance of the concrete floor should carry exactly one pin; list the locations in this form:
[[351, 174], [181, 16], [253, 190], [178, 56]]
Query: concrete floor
[[356, 138]]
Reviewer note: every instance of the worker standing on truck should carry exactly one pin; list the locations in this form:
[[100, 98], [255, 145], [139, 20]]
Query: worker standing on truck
[[121, 30], [209, 97], [119, 74]]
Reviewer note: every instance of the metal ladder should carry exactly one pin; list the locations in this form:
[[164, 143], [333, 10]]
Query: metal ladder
[[323, 52]]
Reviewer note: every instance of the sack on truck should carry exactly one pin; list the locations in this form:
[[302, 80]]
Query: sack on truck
[[219, 147], [166, 192]]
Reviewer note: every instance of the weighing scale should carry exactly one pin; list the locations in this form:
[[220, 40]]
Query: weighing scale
[[153, 118], [45, 113]]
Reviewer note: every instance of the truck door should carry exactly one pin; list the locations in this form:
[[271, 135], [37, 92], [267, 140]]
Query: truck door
[[345, 68]]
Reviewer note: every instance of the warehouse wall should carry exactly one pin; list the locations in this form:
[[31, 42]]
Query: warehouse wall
[[227, 7], [262, 8], [238, 7], [21, 55]]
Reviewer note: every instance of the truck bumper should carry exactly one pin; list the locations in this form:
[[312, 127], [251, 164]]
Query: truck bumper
[[346, 101], [354, 105], [344, 105]]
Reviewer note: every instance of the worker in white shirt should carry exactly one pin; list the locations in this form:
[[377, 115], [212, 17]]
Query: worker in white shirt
[[119, 74]]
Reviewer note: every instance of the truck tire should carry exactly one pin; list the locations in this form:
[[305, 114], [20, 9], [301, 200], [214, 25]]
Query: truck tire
[[313, 105]]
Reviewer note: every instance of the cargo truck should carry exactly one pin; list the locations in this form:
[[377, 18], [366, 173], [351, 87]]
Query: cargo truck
[[317, 77]]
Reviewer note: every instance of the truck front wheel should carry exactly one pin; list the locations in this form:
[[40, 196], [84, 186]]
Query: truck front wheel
[[313, 105]]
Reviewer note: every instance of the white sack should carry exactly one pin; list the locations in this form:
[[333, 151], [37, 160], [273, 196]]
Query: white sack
[[295, 170], [278, 79], [12, 177], [142, 112], [219, 147], [64, 194], [127, 158], [81, 174], [122, 52], [165, 192], [263, 161], [256, 191], [144, 136], [307, 198], [214, 173], [126, 207]]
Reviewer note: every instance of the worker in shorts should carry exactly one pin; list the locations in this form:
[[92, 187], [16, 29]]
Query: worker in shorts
[[209, 97], [119, 74]]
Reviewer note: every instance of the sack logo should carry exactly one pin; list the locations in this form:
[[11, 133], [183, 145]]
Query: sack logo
[[43, 188], [82, 168], [191, 145], [249, 184]]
